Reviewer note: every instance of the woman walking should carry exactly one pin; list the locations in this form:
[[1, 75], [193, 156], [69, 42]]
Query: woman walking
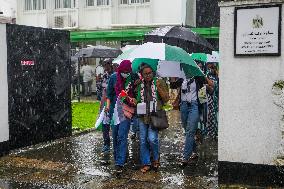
[[150, 91], [125, 103], [212, 120]]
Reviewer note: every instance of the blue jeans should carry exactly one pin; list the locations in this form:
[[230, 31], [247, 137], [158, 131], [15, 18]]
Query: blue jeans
[[190, 119], [149, 140], [135, 125], [114, 140], [123, 129], [106, 129]]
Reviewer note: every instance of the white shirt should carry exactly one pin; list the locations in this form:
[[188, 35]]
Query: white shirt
[[191, 95], [99, 70], [88, 73]]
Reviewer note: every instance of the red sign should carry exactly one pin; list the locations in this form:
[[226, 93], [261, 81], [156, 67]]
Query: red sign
[[27, 62]]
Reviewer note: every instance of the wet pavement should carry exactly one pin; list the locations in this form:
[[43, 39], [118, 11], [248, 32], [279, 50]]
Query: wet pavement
[[77, 162]]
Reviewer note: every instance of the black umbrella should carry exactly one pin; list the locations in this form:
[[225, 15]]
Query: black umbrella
[[181, 37], [98, 52]]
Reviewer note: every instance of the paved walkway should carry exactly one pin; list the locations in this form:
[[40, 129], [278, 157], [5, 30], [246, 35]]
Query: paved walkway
[[76, 162]]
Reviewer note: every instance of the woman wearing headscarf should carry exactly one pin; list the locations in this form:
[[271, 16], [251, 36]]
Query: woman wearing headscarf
[[150, 90], [213, 99], [124, 110]]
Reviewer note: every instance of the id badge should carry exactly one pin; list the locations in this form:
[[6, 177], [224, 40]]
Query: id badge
[[141, 108]]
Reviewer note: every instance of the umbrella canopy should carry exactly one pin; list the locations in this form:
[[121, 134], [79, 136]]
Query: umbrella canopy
[[199, 56], [98, 52], [181, 37], [214, 57], [150, 53]]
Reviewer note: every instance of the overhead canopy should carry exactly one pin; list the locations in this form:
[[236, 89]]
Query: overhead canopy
[[131, 34]]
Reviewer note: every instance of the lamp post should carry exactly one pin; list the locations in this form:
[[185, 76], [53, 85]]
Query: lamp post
[[78, 78]]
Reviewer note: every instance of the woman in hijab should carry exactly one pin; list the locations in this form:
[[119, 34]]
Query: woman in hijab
[[124, 89]]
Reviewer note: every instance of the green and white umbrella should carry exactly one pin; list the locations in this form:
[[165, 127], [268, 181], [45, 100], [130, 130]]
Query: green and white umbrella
[[199, 56], [167, 60]]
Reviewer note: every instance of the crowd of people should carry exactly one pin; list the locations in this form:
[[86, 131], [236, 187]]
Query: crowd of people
[[133, 99]]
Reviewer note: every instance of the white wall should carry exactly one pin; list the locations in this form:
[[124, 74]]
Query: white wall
[[29, 19], [8, 7], [133, 14], [167, 11], [249, 129], [37, 18], [4, 126], [95, 18]]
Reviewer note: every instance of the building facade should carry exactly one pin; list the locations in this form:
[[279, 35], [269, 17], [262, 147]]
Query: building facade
[[101, 14], [120, 21]]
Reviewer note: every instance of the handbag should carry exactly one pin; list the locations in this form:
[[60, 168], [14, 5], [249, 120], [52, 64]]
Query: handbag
[[128, 111], [159, 120]]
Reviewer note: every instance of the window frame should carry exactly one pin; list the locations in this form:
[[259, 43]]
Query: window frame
[[90, 3], [134, 2], [34, 5], [122, 2], [104, 3], [64, 4]]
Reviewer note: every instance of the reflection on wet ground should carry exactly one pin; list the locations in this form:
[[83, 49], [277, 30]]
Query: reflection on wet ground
[[77, 162]]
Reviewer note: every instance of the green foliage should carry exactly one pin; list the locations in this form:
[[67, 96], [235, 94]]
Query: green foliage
[[279, 84], [84, 115]]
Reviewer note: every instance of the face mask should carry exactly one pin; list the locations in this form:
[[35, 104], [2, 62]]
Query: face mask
[[124, 75]]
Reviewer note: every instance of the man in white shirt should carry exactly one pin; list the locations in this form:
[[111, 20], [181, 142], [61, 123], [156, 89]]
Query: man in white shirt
[[88, 73]]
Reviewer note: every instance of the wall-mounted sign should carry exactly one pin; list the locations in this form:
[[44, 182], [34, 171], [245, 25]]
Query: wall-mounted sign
[[27, 62], [258, 30]]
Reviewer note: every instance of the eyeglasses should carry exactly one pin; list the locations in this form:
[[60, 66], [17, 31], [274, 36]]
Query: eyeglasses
[[149, 74]]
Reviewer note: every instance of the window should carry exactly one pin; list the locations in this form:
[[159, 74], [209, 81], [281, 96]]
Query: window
[[138, 1], [43, 4], [35, 4], [64, 4], [90, 3], [123, 2], [102, 2], [28, 5], [135, 1]]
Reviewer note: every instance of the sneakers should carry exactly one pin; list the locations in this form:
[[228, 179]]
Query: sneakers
[[106, 149]]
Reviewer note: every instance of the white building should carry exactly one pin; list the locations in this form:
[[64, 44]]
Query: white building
[[103, 14], [110, 22], [8, 11]]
